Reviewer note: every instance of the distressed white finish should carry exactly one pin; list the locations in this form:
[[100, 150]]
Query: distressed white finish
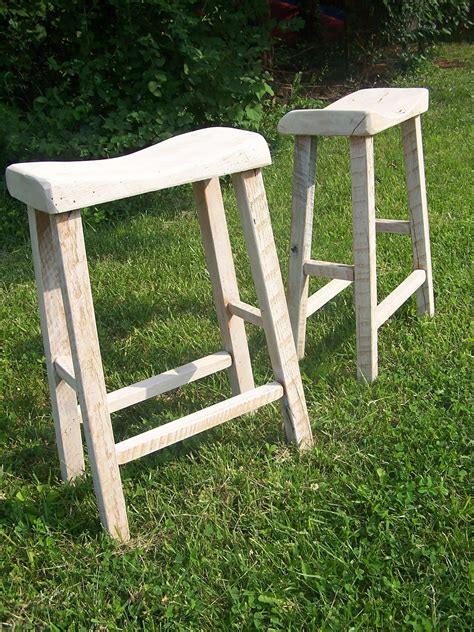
[[168, 381], [328, 269], [398, 226], [302, 210], [400, 294], [65, 411], [324, 295], [79, 311], [197, 422], [246, 312], [65, 370], [362, 113], [255, 219], [153, 386], [67, 315], [217, 248], [363, 249], [359, 116], [419, 224], [56, 187]]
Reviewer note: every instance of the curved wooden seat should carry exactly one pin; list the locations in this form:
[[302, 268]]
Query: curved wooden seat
[[56, 187], [359, 116], [55, 192], [362, 113]]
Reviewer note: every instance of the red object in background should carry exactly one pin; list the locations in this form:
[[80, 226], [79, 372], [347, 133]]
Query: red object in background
[[333, 27], [283, 12]]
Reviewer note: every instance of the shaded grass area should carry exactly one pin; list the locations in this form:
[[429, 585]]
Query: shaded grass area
[[234, 530]]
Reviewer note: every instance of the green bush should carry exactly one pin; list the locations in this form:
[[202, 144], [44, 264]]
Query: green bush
[[417, 25], [101, 77]]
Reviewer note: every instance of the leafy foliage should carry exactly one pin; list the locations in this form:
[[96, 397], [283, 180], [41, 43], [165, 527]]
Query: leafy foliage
[[100, 77], [423, 22]]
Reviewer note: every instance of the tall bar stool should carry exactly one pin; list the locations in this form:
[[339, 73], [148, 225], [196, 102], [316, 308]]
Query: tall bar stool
[[54, 193], [359, 116]]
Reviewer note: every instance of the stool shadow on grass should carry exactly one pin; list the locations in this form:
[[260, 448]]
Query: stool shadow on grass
[[34, 423], [330, 330]]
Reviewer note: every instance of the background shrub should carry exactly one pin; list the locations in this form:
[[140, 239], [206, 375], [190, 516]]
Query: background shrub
[[423, 22], [100, 77]]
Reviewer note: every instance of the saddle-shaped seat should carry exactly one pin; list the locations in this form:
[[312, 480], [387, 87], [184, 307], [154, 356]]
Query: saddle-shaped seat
[[359, 116], [55, 187], [55, 192], [363, 113]]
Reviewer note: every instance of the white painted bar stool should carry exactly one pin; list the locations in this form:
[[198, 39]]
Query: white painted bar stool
[[360, 116], [54, 191]]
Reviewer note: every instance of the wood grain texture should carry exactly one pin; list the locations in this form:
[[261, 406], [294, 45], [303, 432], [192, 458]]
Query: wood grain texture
[[325, 294], [197, 422], [168, 381], [220, 263], [420, 232], [362, 113], [302, 210], [64, 407], [363, 244], [65, 370], [400, 294], [396, 226], [245, 311], [74, 276], [57, 187], [256, 224], [341, 271]]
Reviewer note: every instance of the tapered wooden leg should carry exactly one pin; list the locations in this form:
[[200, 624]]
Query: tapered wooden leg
[[221, 268], [56, 343], [74, 276], [255, 218], [419, 224], [365, 274], [304, 172]]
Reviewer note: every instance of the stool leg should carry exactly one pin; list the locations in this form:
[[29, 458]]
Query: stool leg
[[255, 218], [56, 343], [71, 257], [304, 171], [419, 225], [220, 263], [363, 245]]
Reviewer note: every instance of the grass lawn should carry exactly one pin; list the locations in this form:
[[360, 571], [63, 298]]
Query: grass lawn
[[233, 529]]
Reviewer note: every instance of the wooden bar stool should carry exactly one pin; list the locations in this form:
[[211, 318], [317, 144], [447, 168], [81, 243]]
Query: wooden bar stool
[[360, 116], [54, 193]]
